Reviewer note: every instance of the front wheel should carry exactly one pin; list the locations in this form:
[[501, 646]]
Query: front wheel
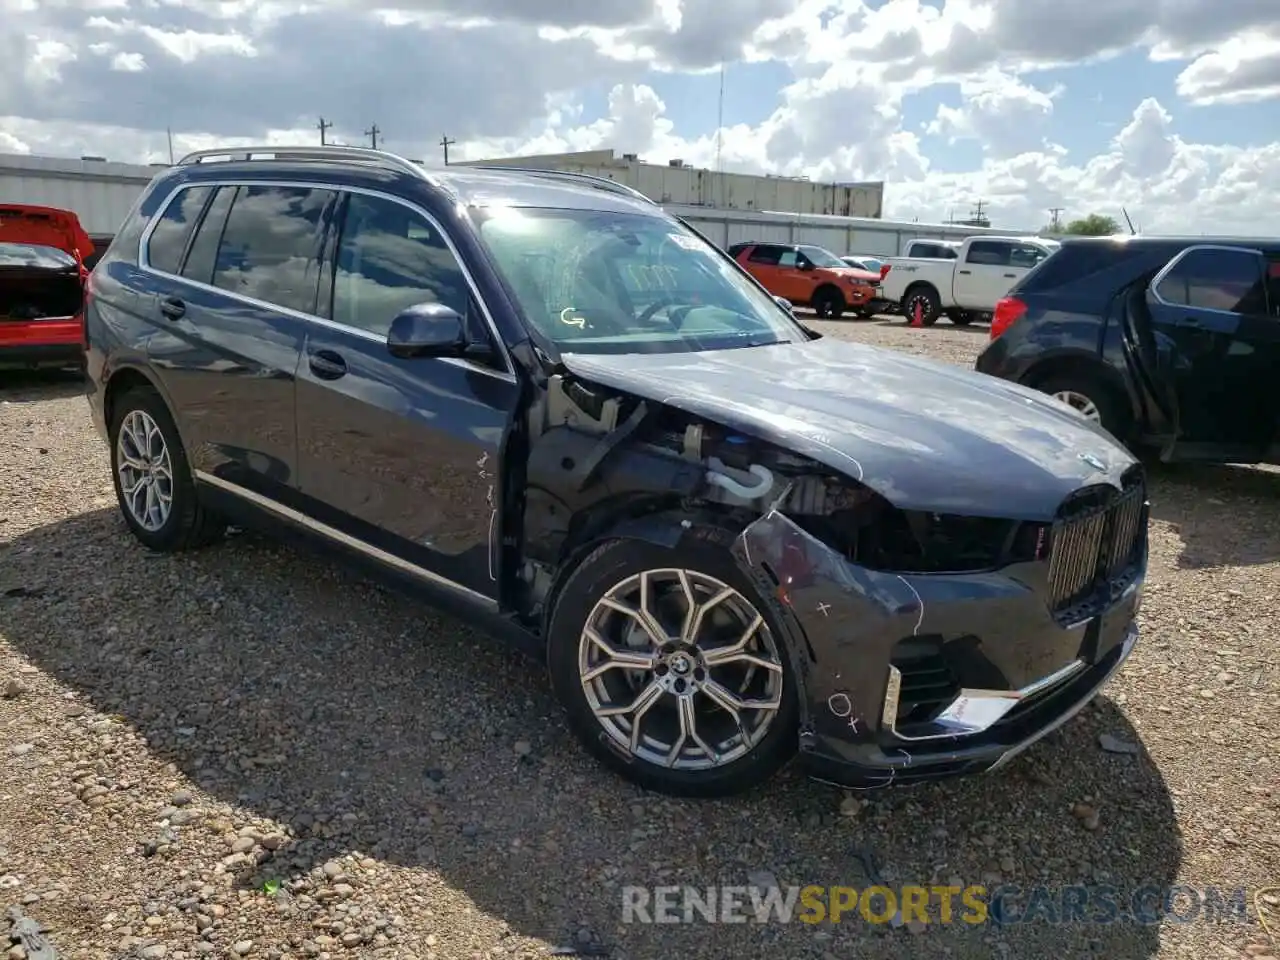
[[829, 304], [152, 477], [671, 670]]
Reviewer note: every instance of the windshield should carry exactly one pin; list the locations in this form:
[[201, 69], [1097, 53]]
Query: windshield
[[595, 281], [822, 258], [34, 255]]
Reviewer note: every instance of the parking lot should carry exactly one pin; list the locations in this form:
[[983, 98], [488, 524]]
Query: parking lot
[[248, 751]]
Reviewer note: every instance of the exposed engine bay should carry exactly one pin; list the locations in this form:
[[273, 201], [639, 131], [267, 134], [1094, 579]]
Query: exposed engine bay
[[598, 458]]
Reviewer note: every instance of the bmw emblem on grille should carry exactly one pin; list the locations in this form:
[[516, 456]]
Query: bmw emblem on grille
[[1093, 461]]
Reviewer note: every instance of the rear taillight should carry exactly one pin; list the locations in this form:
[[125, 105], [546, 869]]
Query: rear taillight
[[1008, 312], [884, 270]]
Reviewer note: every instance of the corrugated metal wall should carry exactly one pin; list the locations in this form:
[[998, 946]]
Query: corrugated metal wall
[[101, 194]]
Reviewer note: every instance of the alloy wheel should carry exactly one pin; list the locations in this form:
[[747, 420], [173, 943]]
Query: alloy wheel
[[145, 470], [680, 669], [1080, 403]]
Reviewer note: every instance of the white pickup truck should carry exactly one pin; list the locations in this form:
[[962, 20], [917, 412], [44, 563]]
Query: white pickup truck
[[967, 286]]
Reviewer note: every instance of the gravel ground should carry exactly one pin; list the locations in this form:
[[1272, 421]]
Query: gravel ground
[[249, 751]]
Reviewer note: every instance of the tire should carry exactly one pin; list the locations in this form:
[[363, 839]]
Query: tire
[[829, 303], [1109, 412], [187, 523], [930, 305], [708, 567], [961, 318]]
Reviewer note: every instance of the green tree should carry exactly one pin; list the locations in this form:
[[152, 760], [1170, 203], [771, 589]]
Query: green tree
[[1094, 225]]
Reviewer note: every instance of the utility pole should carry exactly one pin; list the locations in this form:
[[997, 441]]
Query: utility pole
[[372, 134], [323, 126], [1056, 222], [446, 143], [977, 210]]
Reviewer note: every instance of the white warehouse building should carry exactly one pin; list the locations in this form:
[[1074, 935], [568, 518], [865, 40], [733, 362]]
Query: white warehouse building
[[774, 209], [678, 183]]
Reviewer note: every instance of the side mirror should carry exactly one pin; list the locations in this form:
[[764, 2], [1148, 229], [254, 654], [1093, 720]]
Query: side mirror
[[786, 304], [805, 265], [427, 330]]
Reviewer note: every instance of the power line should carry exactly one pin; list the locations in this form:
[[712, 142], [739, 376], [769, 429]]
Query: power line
[[446, 143], [324, 127], [372, 134]]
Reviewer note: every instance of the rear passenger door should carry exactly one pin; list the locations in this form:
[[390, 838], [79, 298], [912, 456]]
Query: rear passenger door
[[1217, 336], [985, 274], [404, 455], [232, 315]]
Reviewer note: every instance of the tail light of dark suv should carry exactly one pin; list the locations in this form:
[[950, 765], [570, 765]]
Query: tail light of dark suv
[[1008, 312]]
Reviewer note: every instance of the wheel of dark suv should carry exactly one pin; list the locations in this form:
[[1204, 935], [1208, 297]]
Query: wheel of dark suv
[[1089, 397], [828, 303], [152, 477], [671, 670], [926, 298]]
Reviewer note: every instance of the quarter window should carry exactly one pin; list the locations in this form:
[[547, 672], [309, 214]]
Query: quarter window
[[272, 244], [1214, 279], [168, 240], [391, 258]]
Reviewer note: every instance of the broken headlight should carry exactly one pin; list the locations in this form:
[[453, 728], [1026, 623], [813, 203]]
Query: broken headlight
[[871, 532]]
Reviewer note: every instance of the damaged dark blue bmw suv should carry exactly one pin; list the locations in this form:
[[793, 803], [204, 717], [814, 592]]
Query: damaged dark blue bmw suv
[[568, 416]]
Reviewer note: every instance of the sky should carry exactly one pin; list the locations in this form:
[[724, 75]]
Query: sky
[[1167, 108]]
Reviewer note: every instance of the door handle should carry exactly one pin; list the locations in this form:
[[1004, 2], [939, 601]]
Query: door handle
[[172, 308], [327, 365], [964, 271]]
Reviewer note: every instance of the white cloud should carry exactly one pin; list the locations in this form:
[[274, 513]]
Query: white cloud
[[510, 76]]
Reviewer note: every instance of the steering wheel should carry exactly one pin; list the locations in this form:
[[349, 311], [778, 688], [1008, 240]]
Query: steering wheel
[[650, 311]]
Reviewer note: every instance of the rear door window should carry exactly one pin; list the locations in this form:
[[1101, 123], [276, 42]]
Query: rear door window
[[272, 245], [1214, 278], [990, 253], [766, 255], [172, 230]]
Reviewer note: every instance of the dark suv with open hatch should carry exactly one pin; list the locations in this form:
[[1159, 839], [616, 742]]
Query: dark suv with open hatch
[[569, 417]]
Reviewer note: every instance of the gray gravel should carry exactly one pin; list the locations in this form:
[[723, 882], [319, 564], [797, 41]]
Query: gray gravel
[[249, 752]]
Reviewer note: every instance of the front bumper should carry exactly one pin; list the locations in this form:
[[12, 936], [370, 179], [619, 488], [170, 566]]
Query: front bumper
[[1021, 675]]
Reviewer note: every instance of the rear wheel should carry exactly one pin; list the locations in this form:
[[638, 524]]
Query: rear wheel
[[153, 478], [924, 298], [1090, 398], [828, 303], [670, 669]]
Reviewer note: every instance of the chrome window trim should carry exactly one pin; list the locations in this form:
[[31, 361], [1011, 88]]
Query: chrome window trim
[[1154, 286], [507, 374], [338, 536]]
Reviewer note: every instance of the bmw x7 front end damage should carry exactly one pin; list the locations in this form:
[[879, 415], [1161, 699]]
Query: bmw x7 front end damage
[[922, 644]]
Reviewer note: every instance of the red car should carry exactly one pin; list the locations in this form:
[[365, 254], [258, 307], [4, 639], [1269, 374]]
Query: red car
[[42, 284]]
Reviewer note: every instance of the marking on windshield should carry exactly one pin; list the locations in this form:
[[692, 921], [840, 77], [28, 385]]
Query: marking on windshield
[[579, 322]]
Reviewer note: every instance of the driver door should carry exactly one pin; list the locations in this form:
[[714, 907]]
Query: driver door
[[403, 455], [1217, 349]]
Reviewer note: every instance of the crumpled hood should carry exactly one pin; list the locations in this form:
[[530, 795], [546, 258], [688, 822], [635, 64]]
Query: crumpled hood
[[925, 435], [48, 226]]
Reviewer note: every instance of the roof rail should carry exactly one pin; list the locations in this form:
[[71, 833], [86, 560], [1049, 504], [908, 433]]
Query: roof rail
[[387, 160], [587, 179]]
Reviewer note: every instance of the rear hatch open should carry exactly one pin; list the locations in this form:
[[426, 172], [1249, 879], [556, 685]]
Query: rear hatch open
[[42, 274]]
